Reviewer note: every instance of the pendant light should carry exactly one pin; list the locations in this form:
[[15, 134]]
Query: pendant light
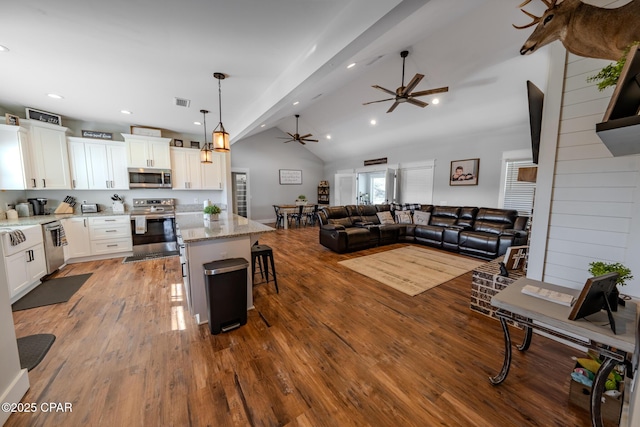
[[220, 136], [205, 153]]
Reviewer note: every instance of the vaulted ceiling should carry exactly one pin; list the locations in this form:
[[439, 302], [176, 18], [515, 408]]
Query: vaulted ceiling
[[104, 57]]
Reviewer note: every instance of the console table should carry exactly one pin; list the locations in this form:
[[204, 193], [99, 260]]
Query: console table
[[536, 313]]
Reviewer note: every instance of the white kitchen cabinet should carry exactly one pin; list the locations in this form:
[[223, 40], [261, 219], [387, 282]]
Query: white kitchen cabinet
[[110, 234], [212, 172], [188, 173], [147, 151], [15, 158], [78, 165], [77, 233], [98, 165], [49, 157], [24, 264]]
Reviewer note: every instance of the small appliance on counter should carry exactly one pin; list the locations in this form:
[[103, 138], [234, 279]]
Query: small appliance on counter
[[89, 208], [24, 209], [38, 205]]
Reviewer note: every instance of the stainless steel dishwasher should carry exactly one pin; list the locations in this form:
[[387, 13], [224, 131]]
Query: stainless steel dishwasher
[[53, 251]]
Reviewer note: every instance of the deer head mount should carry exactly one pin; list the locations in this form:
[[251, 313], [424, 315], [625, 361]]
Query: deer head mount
[[583, 29]]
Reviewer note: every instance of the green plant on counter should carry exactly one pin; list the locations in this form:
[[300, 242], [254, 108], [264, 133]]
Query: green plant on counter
[[212, 210], [609, 75], [598, 268], [302, 197]]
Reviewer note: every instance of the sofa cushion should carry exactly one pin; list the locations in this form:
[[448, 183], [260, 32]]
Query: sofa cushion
[[494, 221], [345, 222], [385, 217], [467, 216], [421, 218], [444, 216], [368, 214], [403, 217]]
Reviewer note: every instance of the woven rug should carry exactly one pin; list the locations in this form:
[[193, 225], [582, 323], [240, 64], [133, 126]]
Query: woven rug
[[412, 269], [149, 257]]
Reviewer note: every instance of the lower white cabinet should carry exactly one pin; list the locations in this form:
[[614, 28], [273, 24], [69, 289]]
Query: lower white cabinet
[[77, 232], [110, 234], [97, 235], [24, 264]]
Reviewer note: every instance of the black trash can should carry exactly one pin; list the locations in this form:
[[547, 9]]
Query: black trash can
[[225, 282]]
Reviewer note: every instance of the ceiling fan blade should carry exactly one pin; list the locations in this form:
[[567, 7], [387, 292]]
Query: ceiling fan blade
[[417, 102], [283, 137], [308, 140], [305, 136], [390, 92], [393, 107], [301, 142], [382, 100], [431, 91], [289, 141], [412, 84]]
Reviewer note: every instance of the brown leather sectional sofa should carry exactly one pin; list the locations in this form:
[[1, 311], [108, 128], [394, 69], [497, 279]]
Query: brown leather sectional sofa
[[481, 232]]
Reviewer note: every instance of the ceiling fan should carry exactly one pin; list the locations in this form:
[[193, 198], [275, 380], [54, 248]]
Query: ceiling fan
[[404, 94], [297, 137]]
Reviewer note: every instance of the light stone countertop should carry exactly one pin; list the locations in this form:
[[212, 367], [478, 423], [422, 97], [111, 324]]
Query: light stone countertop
[[43, 219], [193, 228]]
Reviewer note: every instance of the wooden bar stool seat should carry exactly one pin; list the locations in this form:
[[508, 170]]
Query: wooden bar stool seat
[[261, 256]]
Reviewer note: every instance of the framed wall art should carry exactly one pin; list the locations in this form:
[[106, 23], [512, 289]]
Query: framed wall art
[[177, 142], [290, 177], [12, 120], [464, 172], [43, 116], [195, 144]]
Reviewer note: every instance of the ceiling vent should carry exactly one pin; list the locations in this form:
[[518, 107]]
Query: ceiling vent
[[181, 102]]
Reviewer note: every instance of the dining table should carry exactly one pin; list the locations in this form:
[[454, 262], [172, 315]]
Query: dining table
[[298, 208]]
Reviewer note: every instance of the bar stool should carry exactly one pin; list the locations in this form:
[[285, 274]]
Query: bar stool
[[261, 255]]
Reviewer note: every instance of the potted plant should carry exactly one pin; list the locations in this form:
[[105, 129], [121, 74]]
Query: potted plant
[[212, 212], [302, 199], [609, 75], [598, 268]]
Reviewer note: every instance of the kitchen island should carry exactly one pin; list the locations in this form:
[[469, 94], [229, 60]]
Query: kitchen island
[[200, 242]]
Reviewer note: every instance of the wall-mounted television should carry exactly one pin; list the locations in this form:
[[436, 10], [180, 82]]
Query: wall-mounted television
[[536, 100]]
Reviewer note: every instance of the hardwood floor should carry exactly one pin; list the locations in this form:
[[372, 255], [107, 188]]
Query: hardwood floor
[[333, 348]]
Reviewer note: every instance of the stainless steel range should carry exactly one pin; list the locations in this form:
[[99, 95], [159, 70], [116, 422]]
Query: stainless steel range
[[153, 226]]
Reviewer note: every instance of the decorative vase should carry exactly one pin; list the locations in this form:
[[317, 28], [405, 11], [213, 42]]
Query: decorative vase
[[215, 217]]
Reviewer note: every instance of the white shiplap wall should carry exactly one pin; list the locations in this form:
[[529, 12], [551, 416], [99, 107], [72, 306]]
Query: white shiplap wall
[[594, 204]]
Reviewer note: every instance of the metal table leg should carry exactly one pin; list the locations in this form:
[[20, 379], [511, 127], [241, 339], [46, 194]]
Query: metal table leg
[[498, 379]]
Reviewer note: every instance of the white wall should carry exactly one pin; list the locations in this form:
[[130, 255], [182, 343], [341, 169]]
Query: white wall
[[595, 202], [487, 146], [264, 155]]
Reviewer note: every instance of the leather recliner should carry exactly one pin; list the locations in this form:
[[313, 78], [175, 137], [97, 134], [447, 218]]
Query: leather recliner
[[492, 233]]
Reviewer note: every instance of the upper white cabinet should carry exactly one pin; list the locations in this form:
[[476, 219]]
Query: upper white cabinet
[[49, 158], [98, 165], [15, 158], [190, 174], [147, 151]]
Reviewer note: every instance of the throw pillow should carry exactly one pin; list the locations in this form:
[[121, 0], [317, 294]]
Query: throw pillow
[[422, 218], [385, 217], [403, 217]]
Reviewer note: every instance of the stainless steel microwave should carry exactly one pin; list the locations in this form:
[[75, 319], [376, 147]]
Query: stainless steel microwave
[[149, 178]]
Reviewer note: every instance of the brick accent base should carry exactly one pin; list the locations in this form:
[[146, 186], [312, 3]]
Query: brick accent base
[[486, 282]]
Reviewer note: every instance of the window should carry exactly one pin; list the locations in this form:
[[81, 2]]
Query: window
[[416, 183], [518, 194]]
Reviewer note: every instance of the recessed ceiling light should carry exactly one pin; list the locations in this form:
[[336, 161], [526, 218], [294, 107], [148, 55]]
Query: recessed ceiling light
[[126, 112], [197, 123], [435, 101], [4, 48], [262, 125], [55, 96], [328, 136], [353, 64], [296, 102], [373, 121]]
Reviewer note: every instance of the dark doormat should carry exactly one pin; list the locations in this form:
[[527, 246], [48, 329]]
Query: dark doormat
[[33, 348], [149, 257], [52, 291]]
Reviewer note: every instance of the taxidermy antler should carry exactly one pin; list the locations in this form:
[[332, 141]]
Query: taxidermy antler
[[583, 29]]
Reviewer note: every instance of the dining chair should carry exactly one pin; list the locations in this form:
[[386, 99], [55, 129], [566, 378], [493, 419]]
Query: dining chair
[[279, 216], [308, 213]]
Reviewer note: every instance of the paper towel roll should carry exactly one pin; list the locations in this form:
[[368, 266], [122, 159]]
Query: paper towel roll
[[206, 203], [12, 214]]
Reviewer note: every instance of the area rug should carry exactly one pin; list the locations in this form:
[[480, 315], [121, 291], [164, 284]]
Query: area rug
[[149, 257], [412, 269], [33, 348], [52, 291]]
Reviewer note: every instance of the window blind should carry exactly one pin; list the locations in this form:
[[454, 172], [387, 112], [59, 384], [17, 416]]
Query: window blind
[[517, 194], [416, 185]]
